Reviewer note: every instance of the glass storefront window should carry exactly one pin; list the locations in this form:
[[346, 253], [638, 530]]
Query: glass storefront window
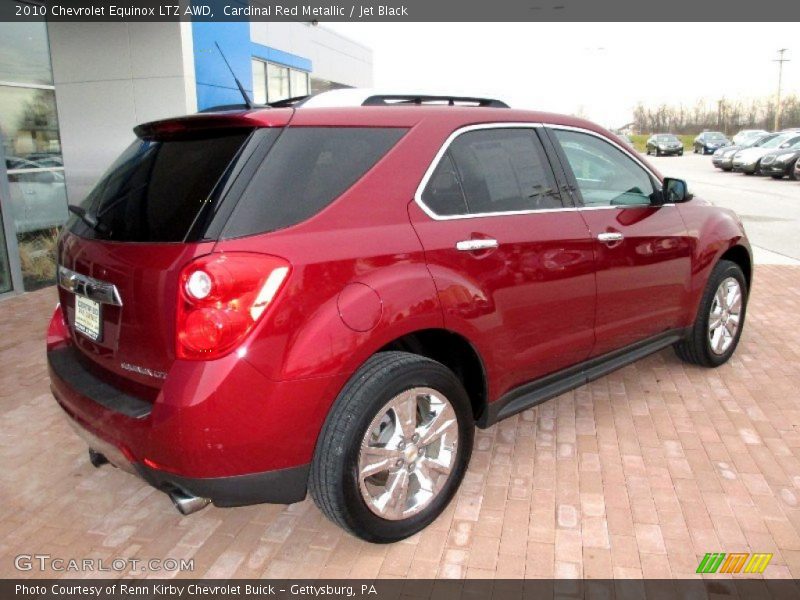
[[29, 126], [272, 83], [31, 149], [259, 82], [299, 83], [277, 83], [25, 56]]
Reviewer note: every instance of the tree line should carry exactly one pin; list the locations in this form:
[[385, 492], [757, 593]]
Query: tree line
[[728, 116]]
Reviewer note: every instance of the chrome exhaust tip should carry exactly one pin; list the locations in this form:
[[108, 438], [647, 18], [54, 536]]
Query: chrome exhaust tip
[[187, 503], [97, 459]]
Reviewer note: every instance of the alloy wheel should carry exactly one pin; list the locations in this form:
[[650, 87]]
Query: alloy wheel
[[408, 453], [725, 316]]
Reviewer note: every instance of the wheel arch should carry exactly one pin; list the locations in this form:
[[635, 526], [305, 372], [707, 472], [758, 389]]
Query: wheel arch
[[741, 256], [455, 352]]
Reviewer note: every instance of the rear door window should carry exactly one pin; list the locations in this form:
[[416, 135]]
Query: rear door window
[[492, 171], [156, 189], [305, 170]]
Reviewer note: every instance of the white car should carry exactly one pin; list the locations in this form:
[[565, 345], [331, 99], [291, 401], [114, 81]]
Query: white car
[[745, 134]]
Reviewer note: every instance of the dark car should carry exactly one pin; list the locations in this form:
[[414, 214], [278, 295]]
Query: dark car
[[709, 141], [259, 304], [797, 170], [723, 157], [664, 143], [781, 163]]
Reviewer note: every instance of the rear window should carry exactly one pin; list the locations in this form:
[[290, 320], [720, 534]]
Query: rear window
[[305, 170], [156, 189]]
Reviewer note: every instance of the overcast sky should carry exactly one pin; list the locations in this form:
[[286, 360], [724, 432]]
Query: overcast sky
[[599, 69]]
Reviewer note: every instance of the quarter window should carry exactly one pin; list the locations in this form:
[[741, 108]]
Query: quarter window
[[491, 171], [606, 175]]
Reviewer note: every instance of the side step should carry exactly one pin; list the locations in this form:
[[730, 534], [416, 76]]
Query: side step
[[536, 392]]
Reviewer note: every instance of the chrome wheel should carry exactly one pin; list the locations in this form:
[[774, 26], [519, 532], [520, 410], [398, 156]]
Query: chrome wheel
[[408, 453], [725, 316]]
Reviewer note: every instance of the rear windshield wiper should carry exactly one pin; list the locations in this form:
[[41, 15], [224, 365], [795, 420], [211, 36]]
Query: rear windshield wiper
[[87, 218]]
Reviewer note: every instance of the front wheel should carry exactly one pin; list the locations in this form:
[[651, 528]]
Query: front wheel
[[394, 448], [720, 318]]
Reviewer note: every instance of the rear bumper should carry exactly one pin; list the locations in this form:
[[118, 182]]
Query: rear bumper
[[218, 429]]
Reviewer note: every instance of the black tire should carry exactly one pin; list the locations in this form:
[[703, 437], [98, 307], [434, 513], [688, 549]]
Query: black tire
[[727, 169], [658, 152], [793, 172], [776, 176], [680, 153], [647, 150], [696, 348], [333, 481]]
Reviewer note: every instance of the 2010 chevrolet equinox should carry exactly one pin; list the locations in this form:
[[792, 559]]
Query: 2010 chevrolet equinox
[[258, 303]]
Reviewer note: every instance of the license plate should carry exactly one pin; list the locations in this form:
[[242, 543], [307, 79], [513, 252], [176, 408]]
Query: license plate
[[88, 317]]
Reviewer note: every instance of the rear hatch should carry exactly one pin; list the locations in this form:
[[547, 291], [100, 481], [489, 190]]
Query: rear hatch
[[147, 217]]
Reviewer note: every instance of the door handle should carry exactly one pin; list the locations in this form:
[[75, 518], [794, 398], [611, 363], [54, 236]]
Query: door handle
[[610, 237], [477, 244]]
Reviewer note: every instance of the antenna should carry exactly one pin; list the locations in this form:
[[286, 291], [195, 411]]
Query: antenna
[[247, 102]]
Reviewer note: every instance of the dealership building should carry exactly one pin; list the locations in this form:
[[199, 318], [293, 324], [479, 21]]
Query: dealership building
[[71, 93]]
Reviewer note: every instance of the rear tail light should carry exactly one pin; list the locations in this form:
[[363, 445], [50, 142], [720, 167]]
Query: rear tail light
[[221, 298]]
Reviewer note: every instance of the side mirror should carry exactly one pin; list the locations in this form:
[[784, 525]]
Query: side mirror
[[675, 191]]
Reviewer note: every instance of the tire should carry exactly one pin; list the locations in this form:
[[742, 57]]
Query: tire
[[336, 483], [658, 152], [727, 169], [776, 176], [793, 172], [697, 348], [680, 153]]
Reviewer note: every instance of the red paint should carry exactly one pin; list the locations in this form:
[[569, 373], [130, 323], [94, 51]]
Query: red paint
[[366, 270]]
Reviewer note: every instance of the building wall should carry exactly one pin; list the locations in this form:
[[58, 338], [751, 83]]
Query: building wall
[[334, 57], [110, 77]]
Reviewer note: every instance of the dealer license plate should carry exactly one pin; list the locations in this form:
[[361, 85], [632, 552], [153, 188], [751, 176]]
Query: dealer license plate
[[88, 317]]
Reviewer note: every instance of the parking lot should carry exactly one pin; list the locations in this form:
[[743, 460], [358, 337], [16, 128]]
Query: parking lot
[[638, 474], [769, 208]]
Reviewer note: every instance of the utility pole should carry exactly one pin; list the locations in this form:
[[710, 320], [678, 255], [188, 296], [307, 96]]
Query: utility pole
[[780, 60]]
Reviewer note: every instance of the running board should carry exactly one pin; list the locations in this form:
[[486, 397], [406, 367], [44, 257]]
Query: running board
[[555, 384]]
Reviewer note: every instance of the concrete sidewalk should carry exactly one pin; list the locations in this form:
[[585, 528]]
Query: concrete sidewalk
[[639, 474]]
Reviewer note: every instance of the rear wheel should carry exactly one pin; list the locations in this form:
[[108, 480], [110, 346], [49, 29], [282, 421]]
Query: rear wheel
[[793, 174], [720, 318], [394, 448]]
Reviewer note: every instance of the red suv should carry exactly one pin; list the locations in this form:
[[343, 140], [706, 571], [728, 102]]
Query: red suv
[[259, 303]]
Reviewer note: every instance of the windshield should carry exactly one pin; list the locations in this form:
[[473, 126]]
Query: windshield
[[156, 189], [776, 141], [714, 135], [761, 140], [666, 138]]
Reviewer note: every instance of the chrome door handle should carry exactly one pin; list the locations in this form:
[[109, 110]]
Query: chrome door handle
[[472, 245], [609, 237]]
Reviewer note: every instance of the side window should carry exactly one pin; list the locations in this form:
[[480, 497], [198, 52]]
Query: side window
[[606, 175], [443, 194], [492, 170]]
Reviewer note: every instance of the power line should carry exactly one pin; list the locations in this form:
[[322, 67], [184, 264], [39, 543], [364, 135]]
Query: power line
[[780, 60]]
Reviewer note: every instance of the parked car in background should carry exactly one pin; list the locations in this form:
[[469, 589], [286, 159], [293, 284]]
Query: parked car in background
[[748, 161], [216, 341], [709, 141], [723, 157], [780, 163], [664, 143], [746, 134]]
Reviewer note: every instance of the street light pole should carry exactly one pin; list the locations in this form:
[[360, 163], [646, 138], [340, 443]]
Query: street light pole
[[780, 60]]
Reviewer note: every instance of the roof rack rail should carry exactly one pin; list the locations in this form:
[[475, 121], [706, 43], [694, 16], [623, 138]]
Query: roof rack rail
[[405, 99]]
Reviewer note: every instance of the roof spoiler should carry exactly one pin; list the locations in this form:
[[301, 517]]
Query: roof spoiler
[[401, 99]]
